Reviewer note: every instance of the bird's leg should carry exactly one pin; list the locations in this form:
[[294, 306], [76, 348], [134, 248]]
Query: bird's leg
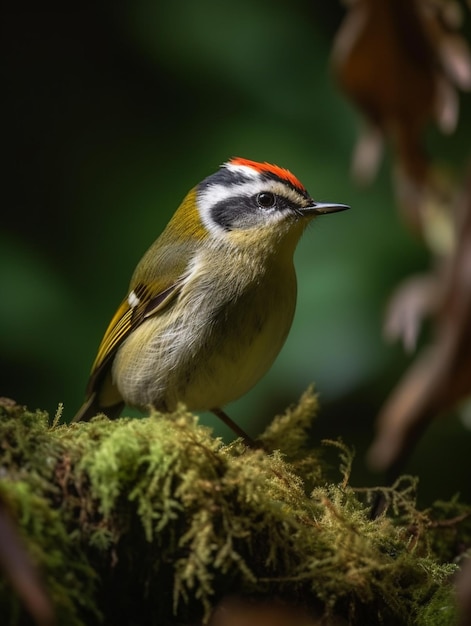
[[234, 427]]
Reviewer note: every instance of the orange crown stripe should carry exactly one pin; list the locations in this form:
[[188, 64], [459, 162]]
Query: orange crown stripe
[[268, 168]]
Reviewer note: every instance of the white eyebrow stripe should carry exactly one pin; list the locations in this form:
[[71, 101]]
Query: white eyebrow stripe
[[245, 170], [214, 194]]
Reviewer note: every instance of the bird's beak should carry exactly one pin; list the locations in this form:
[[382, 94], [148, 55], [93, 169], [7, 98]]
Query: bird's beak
[[323, 208]]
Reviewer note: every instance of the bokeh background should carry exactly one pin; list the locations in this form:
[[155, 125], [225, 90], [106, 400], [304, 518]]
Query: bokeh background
[[111, 116]]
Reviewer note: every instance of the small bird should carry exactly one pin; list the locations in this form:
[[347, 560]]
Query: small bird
[[211, 302]]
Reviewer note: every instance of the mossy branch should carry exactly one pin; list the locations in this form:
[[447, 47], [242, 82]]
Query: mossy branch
[[153, 521]]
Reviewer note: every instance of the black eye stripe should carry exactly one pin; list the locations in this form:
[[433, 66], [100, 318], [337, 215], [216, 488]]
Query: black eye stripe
[[226, 212], [241, 211]]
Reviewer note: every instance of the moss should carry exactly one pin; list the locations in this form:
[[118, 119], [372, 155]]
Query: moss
[[440, 610], [152, 521], [29, 458]]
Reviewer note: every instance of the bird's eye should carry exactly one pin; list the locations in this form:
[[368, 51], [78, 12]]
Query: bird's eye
[[266, 199]]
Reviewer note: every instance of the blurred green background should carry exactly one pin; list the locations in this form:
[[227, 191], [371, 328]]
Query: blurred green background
[[112, 115]]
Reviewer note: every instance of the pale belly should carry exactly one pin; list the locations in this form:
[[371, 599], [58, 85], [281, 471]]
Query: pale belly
[[204, 353], [238, 362]]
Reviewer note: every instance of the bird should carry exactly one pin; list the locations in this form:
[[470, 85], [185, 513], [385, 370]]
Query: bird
[[211, 302]]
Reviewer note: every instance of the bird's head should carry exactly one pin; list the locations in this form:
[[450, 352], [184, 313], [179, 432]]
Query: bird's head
[[249, 202]]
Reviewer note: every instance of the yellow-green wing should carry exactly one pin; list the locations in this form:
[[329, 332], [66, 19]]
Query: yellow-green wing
[[141, 303]]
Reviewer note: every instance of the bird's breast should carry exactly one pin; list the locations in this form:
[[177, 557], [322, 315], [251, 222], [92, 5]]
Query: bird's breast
[[213, 343]]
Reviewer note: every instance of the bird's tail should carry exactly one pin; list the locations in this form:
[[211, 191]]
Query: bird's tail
[[91, 407]]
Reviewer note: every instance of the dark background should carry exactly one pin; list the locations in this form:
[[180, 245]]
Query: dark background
[[111, 116]]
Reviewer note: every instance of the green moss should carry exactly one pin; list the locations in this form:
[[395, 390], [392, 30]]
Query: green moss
[[439, 610], [156, 518]]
